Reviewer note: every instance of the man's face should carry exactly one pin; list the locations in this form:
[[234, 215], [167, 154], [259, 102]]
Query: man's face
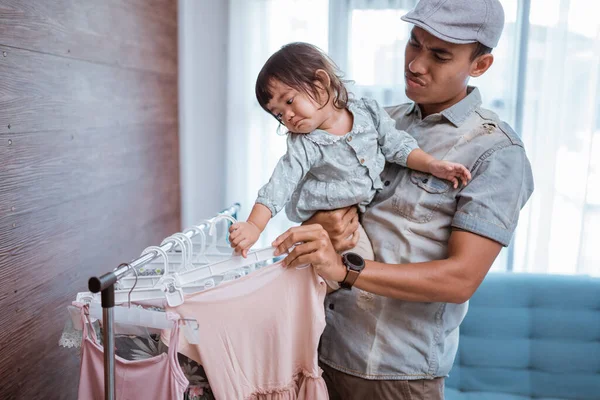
[[436, 72]]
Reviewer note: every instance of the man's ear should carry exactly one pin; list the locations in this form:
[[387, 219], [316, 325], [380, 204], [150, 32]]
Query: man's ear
[[322, 78], [481, 64]]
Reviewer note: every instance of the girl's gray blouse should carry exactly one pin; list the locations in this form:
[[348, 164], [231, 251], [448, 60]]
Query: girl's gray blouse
[[322, 171]]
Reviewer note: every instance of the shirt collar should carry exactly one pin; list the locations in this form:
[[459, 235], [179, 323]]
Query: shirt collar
[[458, 113]]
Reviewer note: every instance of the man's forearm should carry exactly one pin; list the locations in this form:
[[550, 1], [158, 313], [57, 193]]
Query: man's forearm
[[433, 281], [451, 280]]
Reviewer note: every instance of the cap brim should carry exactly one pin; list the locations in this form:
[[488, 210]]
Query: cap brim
[[434, 32]]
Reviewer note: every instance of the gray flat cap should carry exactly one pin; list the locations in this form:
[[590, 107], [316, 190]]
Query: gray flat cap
[[460, 21]]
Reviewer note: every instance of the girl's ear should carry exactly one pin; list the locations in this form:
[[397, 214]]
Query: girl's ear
[[322, 78]]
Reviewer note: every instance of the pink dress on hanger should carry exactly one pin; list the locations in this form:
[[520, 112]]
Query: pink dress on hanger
[[156, 378], [259, 335]]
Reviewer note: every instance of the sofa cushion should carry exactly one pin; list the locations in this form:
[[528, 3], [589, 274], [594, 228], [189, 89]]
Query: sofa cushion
[[530, 336]]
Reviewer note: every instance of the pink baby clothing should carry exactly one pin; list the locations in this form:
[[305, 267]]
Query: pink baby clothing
[[158, 378], [259, 335]]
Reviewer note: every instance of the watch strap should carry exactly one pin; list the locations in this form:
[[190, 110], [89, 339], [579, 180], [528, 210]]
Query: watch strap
[[351, 276]]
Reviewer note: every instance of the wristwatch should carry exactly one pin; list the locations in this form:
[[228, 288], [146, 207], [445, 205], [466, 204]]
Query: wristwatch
[[354, 265]]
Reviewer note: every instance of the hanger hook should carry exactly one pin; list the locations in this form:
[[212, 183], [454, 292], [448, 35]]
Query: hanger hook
[[134, 283], [178, 242], [188, 248], [159, 252], [212, 225], [202, 235], [213, 222]]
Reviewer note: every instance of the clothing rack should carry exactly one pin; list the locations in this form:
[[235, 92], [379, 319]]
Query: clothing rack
[[105, 285]]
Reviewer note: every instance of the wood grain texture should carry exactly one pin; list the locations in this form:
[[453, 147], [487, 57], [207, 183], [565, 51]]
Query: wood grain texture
[[47, 168], [138, 34], [89, 166], [41, 92]]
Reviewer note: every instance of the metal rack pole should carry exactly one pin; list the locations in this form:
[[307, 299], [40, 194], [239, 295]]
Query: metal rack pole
[[105, 285]]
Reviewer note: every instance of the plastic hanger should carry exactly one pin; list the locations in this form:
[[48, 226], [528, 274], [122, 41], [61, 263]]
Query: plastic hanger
[[224, 266], [198, 245], [175, 285], [147, 281], [185, 244], [212, 224], [147, 318]]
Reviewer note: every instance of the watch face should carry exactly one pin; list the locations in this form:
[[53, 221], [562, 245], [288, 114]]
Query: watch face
[[354, 261]]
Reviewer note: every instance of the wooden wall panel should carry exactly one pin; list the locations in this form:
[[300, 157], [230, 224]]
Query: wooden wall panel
[[89, 166], [113, 32], [78, 94]]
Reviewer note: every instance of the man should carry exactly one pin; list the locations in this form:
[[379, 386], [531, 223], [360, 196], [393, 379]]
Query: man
[[394, 335]]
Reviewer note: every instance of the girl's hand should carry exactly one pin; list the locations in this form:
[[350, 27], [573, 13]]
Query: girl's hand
[[312, 247], [242, 236], [450, 171]]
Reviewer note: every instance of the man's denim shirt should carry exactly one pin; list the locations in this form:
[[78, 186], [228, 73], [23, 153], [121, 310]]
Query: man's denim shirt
[[410, 221]]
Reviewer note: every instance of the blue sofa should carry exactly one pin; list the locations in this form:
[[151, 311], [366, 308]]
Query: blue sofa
[[529, 336]]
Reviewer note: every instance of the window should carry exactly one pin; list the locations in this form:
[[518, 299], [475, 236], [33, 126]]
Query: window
[[544, 83]]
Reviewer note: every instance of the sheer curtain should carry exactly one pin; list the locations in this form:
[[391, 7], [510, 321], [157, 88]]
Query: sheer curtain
[[258, 28], [544, 82], [561, 131]]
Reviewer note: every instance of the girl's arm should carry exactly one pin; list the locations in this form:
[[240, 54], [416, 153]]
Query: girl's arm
[[273, 196], [243, 235], [401, 148], [259, 216], [424, 162]]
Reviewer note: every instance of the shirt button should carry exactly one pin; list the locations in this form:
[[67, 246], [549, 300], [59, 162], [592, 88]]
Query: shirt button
[[386, 183], [362, 160], [349, 138], [331, 306]]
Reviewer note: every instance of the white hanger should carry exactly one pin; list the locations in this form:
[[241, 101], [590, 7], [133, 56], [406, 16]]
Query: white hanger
[[175, 285], [199, 235], [186, 262], [222, 267], [212, 249], [160, 286], [139, 316], [147, 281], [185, 243]]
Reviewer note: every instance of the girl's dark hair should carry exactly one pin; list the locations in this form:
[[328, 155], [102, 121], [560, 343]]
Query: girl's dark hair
[[295, 65]]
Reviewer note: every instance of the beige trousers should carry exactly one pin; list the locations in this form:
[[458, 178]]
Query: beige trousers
[[342, 386]]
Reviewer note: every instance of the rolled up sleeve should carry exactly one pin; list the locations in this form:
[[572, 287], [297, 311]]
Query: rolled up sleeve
[[489, 205]]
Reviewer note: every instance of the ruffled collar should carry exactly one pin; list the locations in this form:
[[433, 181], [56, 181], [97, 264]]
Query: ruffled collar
[[362, 121]]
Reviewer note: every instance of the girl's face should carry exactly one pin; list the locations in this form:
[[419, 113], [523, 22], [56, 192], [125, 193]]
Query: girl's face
[[296, 110]]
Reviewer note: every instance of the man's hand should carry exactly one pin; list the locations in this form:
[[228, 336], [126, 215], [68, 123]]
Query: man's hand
[[312, 246], [242, 236], [341, 226]]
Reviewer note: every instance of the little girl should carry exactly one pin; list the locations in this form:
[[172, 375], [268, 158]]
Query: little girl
[[336, 146]]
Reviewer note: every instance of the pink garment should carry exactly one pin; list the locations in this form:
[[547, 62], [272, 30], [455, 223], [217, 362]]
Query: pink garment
[[157, 378], [259, 335]]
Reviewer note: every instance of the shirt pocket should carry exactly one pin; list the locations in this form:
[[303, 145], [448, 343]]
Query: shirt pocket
[[418, 199]]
